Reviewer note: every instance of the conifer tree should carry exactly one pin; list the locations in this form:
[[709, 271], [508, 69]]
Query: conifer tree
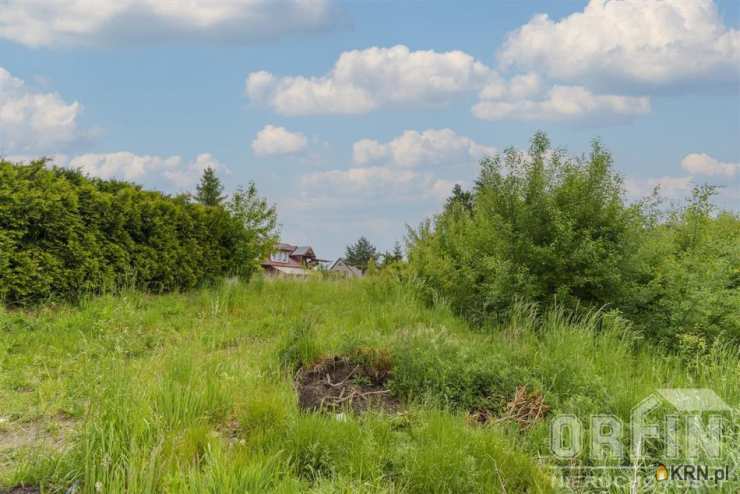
[[209, 189], [360, 253]]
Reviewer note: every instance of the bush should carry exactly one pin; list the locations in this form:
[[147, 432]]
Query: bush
[[63, 235], [541, 228], [546, 229], [688, 290]]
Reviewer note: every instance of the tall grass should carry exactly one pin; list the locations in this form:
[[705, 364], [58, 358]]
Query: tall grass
[[193, 392]]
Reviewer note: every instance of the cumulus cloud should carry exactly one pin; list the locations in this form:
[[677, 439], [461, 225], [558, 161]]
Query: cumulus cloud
[[375, 183], [519, 87], [171, 171], [413, 148], [558, 103], [703, 164], [670, 187], [363, 80], [31, 120], [390, 174], [699, 166], [49, 22], [273, 140], [643, 41]]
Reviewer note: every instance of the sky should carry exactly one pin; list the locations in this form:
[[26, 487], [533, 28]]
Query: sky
[[358, 117]]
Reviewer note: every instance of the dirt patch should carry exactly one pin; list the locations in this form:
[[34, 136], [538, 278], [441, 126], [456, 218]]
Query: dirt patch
[[525, 409], [337, 383], [50, 434]]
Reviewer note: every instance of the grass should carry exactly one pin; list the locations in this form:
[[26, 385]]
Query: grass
[[193, 392]]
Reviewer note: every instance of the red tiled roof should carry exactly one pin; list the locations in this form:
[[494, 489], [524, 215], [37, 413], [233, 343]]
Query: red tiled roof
[[295, 254]]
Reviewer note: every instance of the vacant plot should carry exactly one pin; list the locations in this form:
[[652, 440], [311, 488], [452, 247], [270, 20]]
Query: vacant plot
[[310, 386]]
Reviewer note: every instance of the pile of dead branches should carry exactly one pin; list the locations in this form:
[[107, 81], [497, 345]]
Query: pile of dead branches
[[337, 383], [526, 408]]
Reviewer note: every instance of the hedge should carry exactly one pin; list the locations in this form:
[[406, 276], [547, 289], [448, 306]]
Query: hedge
[[63, 235]]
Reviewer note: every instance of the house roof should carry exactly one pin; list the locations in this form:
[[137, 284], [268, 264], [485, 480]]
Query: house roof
[[303, 250], [341, 262], [291, 260]]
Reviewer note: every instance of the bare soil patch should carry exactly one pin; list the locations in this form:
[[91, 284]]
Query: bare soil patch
[[339, 383], [49, 434], [46, 433]]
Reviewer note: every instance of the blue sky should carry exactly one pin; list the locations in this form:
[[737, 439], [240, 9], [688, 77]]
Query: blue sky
[[357, 117]]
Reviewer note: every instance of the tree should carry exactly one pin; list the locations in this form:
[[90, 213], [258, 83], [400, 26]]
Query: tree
[[360, 253], [460, 196], [394, 256], [209, 189], [259, 222]]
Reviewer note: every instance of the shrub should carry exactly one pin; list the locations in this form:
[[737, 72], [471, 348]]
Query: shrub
[[541, 228], [689, 285]]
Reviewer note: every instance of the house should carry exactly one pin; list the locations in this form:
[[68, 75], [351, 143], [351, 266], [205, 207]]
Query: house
[[291, 260], [341, 268]]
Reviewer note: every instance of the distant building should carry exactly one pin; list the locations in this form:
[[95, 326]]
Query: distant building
[[291, 260], [341, 268]]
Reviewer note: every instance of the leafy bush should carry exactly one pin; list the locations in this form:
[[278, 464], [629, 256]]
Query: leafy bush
[[541, 228], [63, 235], [689, 286], [544, 228]]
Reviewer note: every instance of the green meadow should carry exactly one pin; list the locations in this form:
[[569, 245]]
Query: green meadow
[[196, 392]]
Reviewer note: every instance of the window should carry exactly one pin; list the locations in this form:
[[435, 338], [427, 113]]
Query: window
[[279, 256]]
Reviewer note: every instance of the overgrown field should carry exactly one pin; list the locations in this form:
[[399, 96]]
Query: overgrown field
[[197, 392]]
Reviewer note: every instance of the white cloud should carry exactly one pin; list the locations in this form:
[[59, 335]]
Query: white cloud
[[642, 41], [388, 175], [519, 87], [170, 171], [123, 165], [363, 80], [35, 121], [670, 187], [273, 140], [375, 183], [678, 188], [560, 103], [49, 22], [367, 151], [185, 177], [413, 148], [54, 158], [703, 164]]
